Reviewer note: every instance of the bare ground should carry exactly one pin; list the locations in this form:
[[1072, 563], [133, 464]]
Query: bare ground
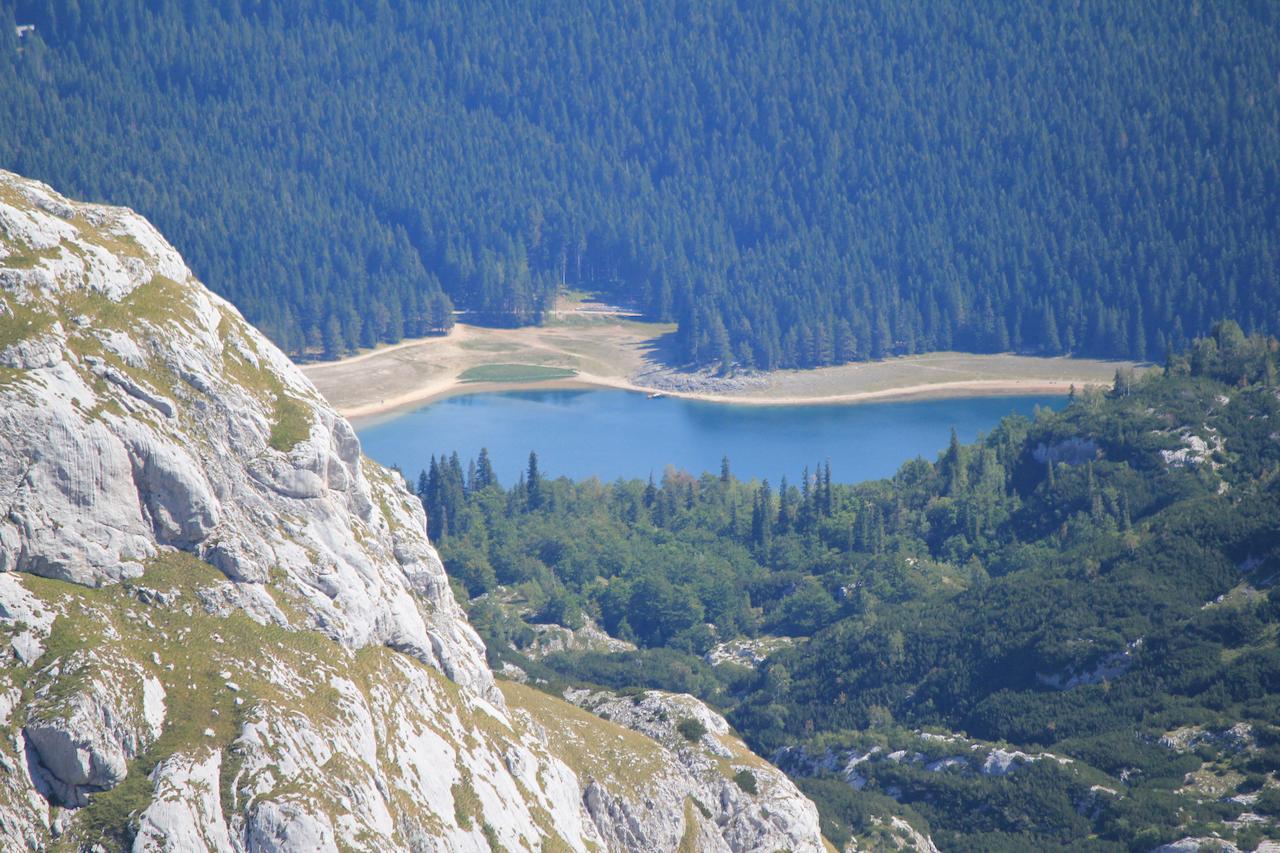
[[606, 349]]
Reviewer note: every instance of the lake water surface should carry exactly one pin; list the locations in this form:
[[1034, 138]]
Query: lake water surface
[[611, 434]]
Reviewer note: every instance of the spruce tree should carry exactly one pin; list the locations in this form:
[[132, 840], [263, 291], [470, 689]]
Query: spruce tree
[[533, 482], [485, 476]]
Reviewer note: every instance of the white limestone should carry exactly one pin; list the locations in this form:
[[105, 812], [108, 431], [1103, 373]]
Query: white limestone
[[20, 608], [101, 465], [186, 812], [776, 817], [139, 416], [82, 742], [549, 639]]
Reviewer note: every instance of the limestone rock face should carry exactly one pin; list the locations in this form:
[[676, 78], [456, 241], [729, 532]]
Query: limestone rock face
[[80, 740], [186, 813], [222, 628], [744, 803], [140, 411]]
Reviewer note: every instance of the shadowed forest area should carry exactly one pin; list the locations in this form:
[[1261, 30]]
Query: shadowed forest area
[[794, 185]]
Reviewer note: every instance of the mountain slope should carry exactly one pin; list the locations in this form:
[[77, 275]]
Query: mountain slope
[[794, 185], [225, 629]]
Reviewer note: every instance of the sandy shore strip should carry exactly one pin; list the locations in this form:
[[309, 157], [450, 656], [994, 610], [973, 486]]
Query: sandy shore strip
[[626, 355], [441, 390]]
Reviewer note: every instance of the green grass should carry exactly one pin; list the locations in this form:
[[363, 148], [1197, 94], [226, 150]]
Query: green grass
[[25, 259], [20, 322], [194, 693], [161, 301], [121, 244], [11, 375], [515, 373], [292, 424], [466, 802], [592, 747], [689, 838]]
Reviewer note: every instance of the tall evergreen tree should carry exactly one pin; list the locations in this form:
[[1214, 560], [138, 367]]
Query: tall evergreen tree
[[533, 482]]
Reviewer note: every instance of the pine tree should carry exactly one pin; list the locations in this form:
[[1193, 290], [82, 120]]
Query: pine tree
[[485, 476], [826, 489], [533, 482], [955, 466], [786, 508], [762, 521], [805, 515]]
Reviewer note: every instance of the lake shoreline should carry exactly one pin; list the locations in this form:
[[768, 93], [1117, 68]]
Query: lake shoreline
[[366, 414], [621, 354]]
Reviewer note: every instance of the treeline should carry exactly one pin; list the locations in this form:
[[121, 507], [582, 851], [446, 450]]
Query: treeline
[[679, 563], [797, 185], [689, 560], [1081, 582]]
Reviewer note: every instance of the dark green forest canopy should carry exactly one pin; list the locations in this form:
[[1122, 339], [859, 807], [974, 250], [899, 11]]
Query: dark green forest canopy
[[796, 184], [1080, 583]]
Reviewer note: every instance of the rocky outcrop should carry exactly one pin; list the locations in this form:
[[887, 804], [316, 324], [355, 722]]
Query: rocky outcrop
[[550, 639], [958, 754], [1194, 450], [1110, 667], [745, 803], [186, 811], [91, 717], [145, 413], [746, 651], [1197, 845], [224, 733], [222, 628]]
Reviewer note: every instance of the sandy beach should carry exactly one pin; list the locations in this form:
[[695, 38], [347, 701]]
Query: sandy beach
[[616, 352]]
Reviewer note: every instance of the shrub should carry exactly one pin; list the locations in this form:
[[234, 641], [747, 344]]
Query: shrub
[[691, 729], [746, 781], [1268, 802]]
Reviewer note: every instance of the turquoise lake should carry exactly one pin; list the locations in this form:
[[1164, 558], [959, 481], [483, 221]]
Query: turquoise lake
[[611, 434]]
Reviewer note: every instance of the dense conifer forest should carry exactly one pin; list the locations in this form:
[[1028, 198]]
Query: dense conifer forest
[[1097, 584], [795, 184]]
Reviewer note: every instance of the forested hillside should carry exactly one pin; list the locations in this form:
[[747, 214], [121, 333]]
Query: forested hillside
[[794, 184], [1063, 636]]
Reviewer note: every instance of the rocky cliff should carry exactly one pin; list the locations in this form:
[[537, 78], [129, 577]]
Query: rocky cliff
[[225, 629]]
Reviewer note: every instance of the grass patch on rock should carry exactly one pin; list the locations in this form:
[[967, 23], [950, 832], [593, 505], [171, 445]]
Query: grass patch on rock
[[19, 322], [161, 301], [190, 653], [622, 759], [291, 417], [466, 802], [25, 259], [292, 423]]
